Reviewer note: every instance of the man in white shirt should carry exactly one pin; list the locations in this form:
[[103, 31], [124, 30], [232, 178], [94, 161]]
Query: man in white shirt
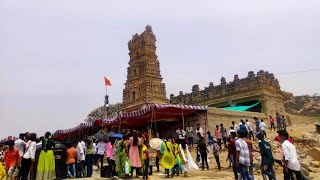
[[250, 129], [28, 158], [189, 130], [181, 135], [81, 157], [263, 127], [235, 127], [199, 130], [291, 162], [100, 151], [20, 144], [243, 156], [232, 130]]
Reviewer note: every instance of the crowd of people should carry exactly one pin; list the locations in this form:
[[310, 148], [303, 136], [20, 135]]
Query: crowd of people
[[20, 158], [239, 144], [131, 153]]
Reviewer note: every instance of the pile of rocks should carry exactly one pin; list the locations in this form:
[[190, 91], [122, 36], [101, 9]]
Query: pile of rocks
[[310, 163], [308, 146]]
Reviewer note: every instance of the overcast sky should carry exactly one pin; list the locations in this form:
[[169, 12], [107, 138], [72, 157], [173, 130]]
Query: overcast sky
[[53, 55]]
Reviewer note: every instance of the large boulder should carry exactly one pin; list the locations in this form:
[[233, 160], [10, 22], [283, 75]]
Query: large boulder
[[315, 153]]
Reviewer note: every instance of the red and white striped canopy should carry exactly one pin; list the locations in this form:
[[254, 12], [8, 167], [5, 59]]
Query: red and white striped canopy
[[7, 139]]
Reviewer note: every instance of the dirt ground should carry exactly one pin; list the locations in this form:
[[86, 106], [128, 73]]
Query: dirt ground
[[296, 130]]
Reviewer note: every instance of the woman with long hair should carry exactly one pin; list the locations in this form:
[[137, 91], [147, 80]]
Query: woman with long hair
[[135, 163], [46, 162]]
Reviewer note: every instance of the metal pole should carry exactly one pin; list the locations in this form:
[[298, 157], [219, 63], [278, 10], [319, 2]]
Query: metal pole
[[182, 119], [120, 124]]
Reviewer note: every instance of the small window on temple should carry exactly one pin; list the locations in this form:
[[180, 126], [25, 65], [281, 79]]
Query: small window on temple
[[137, 54], [133, 95]]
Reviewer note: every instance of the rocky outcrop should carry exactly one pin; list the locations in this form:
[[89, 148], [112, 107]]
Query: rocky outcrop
[[302, 105]]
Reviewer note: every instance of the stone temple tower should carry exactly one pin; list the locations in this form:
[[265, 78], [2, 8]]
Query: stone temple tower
[[144, 81]]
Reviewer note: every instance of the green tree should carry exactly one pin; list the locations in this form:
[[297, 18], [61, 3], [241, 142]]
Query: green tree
[[103, 111]]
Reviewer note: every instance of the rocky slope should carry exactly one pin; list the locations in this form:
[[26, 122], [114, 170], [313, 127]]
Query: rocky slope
[[302, 105]]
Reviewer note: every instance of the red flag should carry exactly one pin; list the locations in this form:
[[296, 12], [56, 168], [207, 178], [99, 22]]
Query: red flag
[[107, 81]]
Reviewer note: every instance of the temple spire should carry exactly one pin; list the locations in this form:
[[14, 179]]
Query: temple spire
[[144, 81]]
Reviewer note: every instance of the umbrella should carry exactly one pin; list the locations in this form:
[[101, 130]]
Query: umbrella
[[101, 136], [109, 134], [117, 136], [155, 143]]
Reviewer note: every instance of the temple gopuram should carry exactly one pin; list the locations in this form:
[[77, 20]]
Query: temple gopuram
[[144, 81]]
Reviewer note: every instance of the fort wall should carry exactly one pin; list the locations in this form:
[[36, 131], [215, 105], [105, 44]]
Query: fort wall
[[262, 87]]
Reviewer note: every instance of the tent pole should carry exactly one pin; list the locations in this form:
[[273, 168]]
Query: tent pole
[[151, 119], [120, 124], [182, 119], [155, 122]]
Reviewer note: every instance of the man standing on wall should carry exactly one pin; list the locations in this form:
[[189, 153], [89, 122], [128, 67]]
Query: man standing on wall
[[189, 130]]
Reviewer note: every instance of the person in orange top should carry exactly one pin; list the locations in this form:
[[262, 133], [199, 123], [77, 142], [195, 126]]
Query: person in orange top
[[71, 160], [12, 160]]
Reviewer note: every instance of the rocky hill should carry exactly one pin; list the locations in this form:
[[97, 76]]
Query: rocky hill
[[305, 105]]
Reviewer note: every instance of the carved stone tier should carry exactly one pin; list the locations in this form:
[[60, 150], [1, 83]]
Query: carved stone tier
[[263, 87]]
